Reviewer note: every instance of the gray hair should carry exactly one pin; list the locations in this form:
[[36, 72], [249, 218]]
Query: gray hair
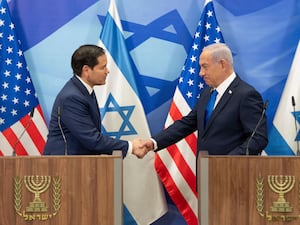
[[220, 51]]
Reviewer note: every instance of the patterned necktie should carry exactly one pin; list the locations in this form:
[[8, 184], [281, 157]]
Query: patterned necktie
[[210, 105]]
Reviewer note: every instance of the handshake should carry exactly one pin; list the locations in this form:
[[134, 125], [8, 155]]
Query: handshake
[[141, 147]]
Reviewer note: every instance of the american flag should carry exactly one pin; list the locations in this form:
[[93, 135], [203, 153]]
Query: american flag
[[176, 166], [23, 129]]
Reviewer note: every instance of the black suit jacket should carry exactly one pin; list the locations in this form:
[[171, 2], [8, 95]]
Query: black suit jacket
[[81, 124], [230, 125]]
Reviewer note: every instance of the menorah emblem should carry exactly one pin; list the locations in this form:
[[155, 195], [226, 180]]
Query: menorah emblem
[[37, 185], [281, 185]]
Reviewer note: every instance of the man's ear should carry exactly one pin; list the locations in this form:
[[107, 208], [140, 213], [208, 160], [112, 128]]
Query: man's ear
[[224, 64], [84, 70]]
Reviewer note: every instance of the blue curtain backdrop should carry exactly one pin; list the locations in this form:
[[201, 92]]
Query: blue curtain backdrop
[[262, 34]]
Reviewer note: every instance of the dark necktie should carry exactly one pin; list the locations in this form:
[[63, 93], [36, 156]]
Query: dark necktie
[[94, 98], [210, 105], [95, 103]]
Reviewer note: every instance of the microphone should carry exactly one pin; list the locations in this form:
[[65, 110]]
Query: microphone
[[294, 104], [61, 130], [23, 132], [257, 125]]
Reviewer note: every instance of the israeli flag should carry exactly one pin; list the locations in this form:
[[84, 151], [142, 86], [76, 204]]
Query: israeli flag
[[123, 117], [284, 136]]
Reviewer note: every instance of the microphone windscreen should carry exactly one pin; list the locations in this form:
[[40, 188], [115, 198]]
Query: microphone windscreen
[[266, 104], [32, 112], [293, 101]]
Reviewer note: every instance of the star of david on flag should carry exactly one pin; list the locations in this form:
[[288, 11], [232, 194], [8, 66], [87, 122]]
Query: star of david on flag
[[125, 112], [176, 166], [23, 129], [296, 115]]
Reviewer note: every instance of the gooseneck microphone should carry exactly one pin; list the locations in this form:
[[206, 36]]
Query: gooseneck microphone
[[257, 125], [294, 105], [23, 132], [61, 130]]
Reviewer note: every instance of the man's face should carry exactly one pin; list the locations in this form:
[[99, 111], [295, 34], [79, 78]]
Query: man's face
[[97, 75], [211, 71]]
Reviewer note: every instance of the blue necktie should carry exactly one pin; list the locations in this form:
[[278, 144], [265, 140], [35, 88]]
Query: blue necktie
[[210, 105]]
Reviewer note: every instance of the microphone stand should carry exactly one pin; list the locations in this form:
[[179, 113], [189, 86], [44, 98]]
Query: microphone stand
[[294, 105], [257, 125], [61, 130]]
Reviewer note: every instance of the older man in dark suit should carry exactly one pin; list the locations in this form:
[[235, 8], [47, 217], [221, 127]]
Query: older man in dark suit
[[236, 111]]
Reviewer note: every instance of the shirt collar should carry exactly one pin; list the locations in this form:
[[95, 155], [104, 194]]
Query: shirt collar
[[88, 87], [225, 84]]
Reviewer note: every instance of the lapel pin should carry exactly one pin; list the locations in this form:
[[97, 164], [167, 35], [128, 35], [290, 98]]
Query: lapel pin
[[230, 92]]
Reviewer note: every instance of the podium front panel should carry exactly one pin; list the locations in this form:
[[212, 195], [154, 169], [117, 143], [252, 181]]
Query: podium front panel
[[56, 190], [249, 190]]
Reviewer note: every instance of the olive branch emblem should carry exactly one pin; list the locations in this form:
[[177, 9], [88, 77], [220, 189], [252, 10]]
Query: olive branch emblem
[[56, 200], [260, 195]]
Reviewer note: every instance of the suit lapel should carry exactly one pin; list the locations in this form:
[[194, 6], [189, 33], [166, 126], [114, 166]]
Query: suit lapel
[[91, 100], [223, 101], [205, 95]]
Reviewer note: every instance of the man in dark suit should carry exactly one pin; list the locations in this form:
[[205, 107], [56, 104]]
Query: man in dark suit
[[75, 125], [236, 111]]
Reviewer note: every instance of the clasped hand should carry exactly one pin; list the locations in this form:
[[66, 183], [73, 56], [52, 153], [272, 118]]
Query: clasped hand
[[141, 147]]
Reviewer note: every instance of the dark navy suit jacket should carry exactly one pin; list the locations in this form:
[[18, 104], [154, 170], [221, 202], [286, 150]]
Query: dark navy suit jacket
[[230, 125], [81, 124]]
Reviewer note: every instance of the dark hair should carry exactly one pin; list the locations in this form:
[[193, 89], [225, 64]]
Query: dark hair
[[85, 55]]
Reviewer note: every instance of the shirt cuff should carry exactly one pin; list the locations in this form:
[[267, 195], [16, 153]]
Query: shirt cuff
[[129, 150], [154, 144]]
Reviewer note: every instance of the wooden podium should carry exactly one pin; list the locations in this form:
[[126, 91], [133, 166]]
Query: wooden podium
[[61, 190], [248, 190]]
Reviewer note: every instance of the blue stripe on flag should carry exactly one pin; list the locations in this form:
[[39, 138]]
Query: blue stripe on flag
[[116, 44], [278, 146], [128, 218]]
